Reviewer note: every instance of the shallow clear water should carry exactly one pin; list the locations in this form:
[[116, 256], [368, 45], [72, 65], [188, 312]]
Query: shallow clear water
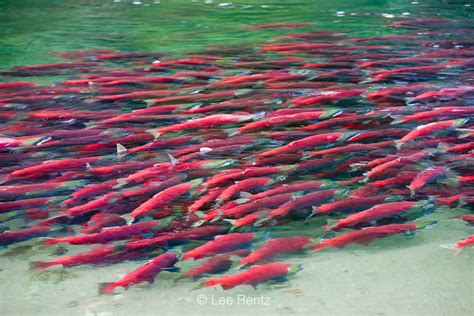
[[398, 275]]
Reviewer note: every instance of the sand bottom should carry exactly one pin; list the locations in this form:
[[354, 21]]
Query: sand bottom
[[398, 275]]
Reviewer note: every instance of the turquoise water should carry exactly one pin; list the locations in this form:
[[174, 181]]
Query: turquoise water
[[416, 274]]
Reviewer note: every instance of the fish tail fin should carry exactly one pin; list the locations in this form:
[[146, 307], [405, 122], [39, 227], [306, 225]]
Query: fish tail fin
[[398, 144], [107, 287], [40, 265], [245, 195], [52, 241], [412, 190], [128, 218], [199, 223], [258, 115], [172, 159], [397, 119], [262, 220], [241, 200], [410, 100], [69, 201], [314, 212], [464, 132], [367, 177], [450, 247], [295, 268], [307, 155], [252, 159], [443, 147], [91, 125], [262, 235], [278, 178], [179, 251], [232, 222], [202, 285], [216, 219], [317, 247], [120, 183], [331, 225], [393, 198], [200, 214], [423, 223], [462, 201], [231, 132], [241, 265], [153, 132], [149, 102], [310, 244]]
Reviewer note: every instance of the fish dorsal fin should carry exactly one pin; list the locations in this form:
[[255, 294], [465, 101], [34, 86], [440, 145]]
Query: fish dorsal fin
[[121, 150]]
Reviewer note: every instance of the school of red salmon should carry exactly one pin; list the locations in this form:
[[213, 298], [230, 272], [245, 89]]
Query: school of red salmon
[[158, 160]]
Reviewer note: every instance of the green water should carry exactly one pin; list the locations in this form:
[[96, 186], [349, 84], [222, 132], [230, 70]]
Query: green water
[[30, 30], [395, 276]]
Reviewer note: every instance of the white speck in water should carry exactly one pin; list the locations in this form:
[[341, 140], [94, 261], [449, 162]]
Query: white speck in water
[[207, 1], [353, 14], [436, 46], [157, 1], [156, 62], [388, 16], [225, 4], [117, 0], [467, 5], [414, 2], [265, 6], [137, 2], [340, 13], [406, 13]]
